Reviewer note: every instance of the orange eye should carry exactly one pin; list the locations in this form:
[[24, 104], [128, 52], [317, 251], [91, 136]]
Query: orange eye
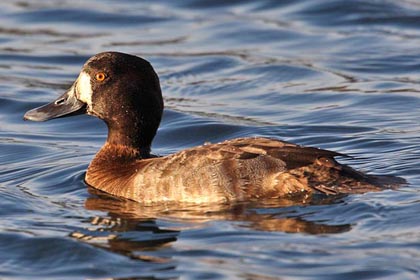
[[100, 76]]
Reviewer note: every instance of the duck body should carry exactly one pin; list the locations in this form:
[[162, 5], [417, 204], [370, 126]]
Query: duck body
[[234, 170], [124, 91]]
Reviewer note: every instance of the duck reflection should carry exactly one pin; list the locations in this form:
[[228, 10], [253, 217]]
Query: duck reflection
[[127, 216], [124, 233], [132, 229]]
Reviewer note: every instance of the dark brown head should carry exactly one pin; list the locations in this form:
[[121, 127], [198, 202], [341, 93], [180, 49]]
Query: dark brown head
[[121, 89]]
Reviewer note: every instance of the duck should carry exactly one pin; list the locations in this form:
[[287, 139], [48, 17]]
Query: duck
[[124, 91]]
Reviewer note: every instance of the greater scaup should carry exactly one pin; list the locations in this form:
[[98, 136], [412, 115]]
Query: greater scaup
[[124, 91]]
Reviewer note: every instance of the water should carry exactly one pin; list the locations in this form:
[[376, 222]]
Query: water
[[336, 74]]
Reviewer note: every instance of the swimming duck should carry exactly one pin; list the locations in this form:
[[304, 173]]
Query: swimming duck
[[124, 91]]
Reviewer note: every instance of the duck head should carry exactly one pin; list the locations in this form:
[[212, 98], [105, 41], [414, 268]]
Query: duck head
[[121, 89]]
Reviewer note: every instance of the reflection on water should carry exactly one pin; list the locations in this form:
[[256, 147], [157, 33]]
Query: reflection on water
[[127, 237], [335, 74], [130, 228], [241, 212]]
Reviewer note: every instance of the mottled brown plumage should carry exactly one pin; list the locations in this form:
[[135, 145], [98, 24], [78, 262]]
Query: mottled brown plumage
[[127, 96], [238, 169]]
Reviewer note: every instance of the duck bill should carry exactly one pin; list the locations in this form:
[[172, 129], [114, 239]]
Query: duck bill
[[65, 105]]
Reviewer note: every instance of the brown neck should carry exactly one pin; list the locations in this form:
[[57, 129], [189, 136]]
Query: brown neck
[[118, 152], [133, 137], [112, 168]]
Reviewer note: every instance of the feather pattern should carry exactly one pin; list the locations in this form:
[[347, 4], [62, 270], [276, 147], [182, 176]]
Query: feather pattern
[[238, 169]]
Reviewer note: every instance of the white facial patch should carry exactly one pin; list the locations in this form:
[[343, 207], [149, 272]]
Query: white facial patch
[[84, 88]]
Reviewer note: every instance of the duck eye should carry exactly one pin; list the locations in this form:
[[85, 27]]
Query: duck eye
[[100, 76]]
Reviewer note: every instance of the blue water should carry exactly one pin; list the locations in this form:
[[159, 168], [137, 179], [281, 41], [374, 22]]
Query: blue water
[[337, 74]]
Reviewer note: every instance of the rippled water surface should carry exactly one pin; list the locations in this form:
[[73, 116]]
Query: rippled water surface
[[337, 74]]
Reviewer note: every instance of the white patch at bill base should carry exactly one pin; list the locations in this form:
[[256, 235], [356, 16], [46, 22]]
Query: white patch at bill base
[[84, 88]]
